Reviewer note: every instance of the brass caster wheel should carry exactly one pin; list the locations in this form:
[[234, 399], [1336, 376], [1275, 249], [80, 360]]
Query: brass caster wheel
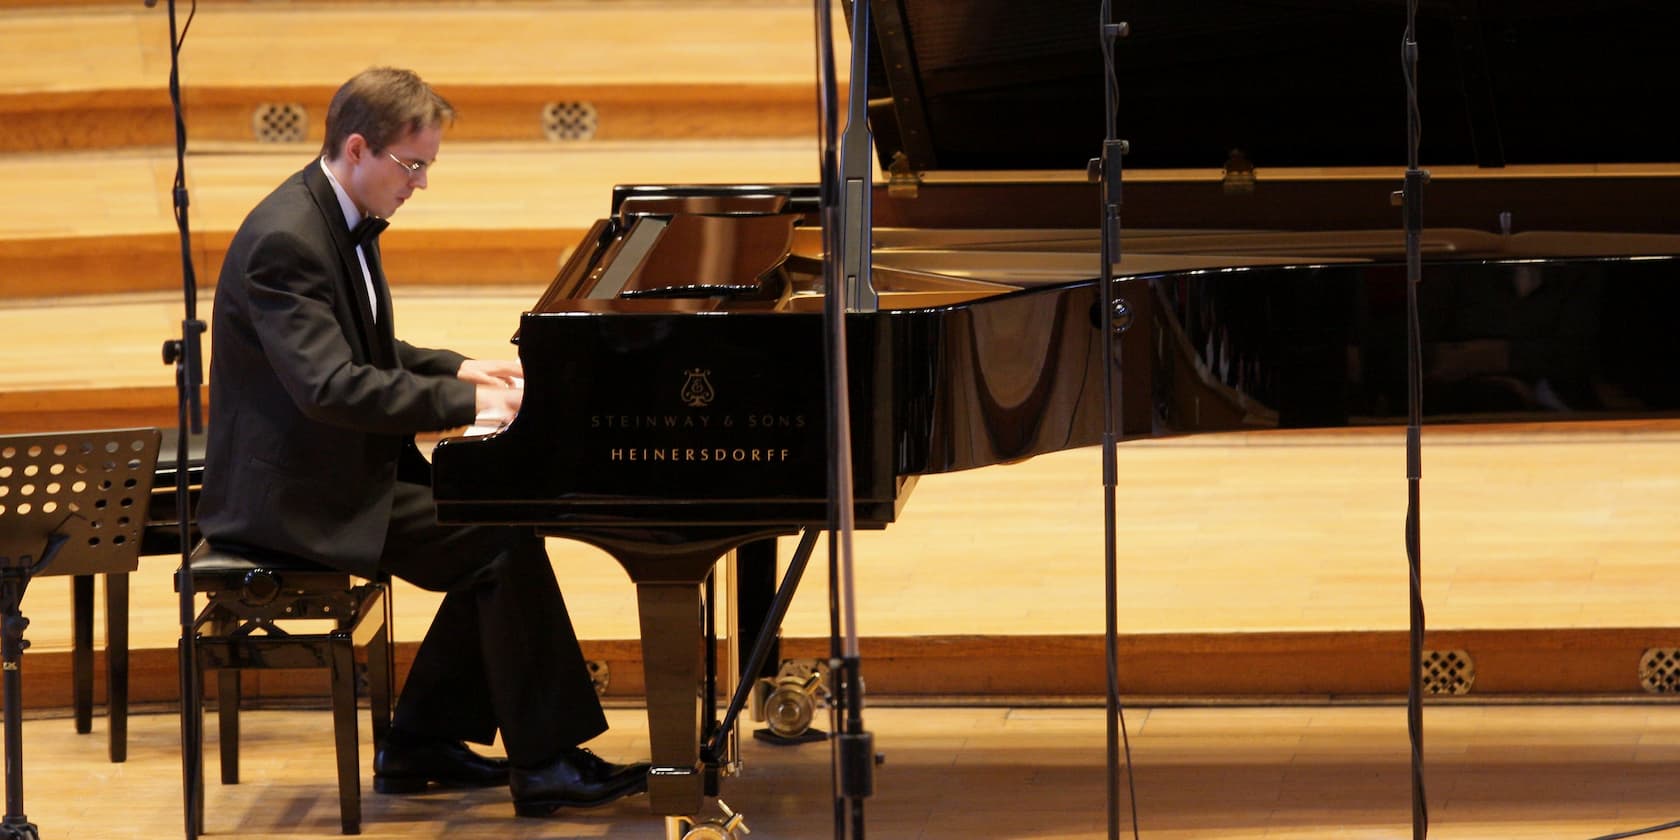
[[730, 826], [795, 694]]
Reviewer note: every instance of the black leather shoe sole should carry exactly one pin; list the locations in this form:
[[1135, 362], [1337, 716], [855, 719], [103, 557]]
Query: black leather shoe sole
[[400, 784], [546, 806], [418, 784]]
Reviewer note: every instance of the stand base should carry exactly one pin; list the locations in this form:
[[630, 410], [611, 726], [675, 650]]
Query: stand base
[[19, 828], [769, 736]]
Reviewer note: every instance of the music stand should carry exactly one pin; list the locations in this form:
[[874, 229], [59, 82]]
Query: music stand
[[71, 503]]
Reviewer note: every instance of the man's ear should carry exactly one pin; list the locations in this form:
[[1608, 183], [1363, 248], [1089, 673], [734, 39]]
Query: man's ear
[[355, 147]]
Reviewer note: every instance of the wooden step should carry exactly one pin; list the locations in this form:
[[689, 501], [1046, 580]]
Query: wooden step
[[1521, 664], [498, 214], [96, 361], [88, 77]]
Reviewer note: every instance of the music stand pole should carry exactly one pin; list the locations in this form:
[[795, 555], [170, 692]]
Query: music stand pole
[[14, 579], [185, 353]]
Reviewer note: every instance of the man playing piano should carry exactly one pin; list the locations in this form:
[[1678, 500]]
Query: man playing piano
[[314, 405]]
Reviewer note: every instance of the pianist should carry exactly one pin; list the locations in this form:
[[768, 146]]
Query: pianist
[[314, 405]]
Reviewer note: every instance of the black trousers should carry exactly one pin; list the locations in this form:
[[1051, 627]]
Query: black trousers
[[501, 652]]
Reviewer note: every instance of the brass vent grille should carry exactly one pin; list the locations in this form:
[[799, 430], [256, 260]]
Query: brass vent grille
[[280, 122], [1450, 672], [600, 675], [569, 121], [1659, 671]]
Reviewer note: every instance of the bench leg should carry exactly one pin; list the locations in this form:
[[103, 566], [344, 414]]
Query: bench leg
[[382, 671], [228, 695], [227, 723], [380, 687], [344, 734]]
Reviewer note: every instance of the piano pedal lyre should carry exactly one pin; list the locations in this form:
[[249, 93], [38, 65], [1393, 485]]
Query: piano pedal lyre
[[790, 701], [730, 826]]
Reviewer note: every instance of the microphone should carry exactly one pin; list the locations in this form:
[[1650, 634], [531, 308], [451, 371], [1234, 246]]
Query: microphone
[[151, 3]]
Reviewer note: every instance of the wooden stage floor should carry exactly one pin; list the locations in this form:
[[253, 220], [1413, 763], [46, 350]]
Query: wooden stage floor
[[1558, 772]]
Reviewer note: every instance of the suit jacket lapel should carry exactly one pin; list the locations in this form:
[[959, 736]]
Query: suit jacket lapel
[[377, 350]]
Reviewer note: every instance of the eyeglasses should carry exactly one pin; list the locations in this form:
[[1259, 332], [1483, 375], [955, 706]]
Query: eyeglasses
[[415, 168]]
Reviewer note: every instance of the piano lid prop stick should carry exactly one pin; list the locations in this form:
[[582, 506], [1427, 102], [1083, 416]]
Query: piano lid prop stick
[[854, 748], [857, 168]]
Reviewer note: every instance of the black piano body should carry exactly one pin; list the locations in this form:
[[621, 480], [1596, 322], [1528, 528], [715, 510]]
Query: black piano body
[[162, 535], [675, 393]]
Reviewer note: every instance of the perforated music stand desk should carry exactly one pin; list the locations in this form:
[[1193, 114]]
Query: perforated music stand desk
[[71, 503]]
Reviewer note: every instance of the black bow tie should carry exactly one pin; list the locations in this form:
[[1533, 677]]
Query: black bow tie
[[368, 229]]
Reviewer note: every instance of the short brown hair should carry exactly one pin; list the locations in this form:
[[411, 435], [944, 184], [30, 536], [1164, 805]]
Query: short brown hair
[[384, 105]]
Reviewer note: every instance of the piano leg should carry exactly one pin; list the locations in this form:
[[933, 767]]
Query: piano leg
[[755, 591], [670, 568], [672, 651]]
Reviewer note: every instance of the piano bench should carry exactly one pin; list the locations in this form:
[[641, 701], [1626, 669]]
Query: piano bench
[[250, 622]]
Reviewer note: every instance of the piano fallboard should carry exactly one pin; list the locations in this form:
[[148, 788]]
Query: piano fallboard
[[664, 419]]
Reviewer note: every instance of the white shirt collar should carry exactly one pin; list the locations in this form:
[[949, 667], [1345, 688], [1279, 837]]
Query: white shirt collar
[[351, 217], [351, 214]]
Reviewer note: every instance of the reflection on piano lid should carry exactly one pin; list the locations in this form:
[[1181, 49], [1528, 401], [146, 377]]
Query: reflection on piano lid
[[986, 350]]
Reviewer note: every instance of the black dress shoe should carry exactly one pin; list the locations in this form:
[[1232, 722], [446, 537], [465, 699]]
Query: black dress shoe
[[404, 766], [577, 779]]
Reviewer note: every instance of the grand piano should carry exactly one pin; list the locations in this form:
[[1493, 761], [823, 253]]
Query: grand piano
[[675, 405]]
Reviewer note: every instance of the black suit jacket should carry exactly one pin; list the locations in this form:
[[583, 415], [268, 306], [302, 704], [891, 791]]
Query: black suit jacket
[[313, 403]]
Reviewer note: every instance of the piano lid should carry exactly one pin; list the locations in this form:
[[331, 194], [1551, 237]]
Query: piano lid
[[1011, 85]]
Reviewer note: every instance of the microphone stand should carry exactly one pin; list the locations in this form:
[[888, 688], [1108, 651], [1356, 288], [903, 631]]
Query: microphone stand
[[846, 184], [1106, 170], [1411, 199], [186, 354]]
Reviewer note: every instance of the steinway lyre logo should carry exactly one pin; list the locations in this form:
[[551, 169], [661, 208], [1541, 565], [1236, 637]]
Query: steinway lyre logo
[[697, 388]]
